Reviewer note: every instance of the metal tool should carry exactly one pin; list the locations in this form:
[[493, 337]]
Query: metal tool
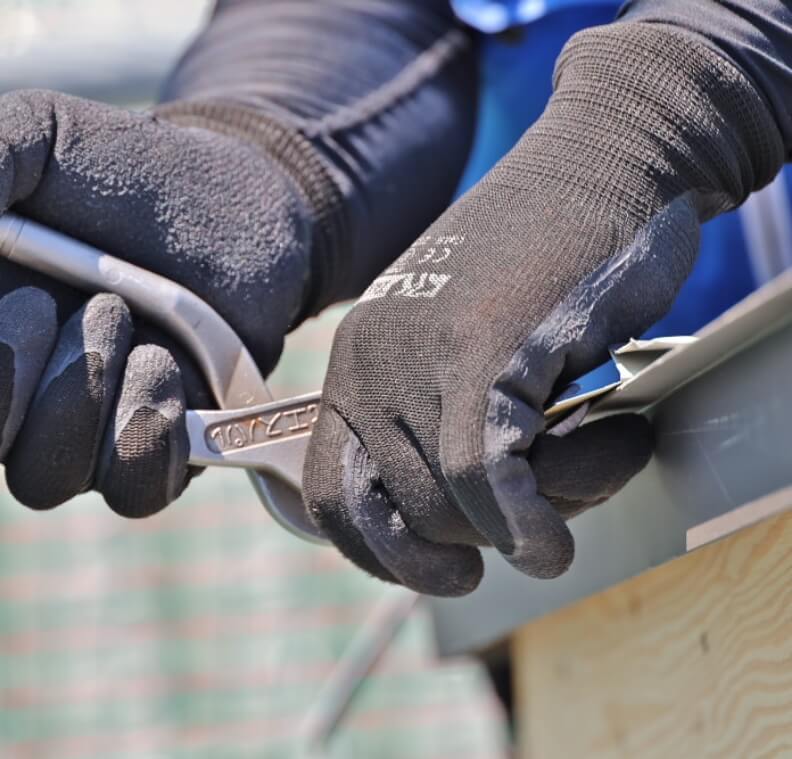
[[250, 430]]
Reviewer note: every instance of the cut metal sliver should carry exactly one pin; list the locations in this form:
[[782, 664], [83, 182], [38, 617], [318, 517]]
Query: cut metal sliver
[[631, 360]]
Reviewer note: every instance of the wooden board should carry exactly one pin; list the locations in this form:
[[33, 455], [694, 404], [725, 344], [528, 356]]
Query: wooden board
[[692, 659]]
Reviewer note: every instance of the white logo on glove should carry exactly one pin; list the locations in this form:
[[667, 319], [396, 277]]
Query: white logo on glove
[[425, 251], [424, 285]]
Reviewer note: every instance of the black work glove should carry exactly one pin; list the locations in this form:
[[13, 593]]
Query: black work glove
[[301, 147], [85, 400], [430, 440]]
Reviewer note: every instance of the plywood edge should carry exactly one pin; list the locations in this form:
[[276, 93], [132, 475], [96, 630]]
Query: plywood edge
[[751, 513]]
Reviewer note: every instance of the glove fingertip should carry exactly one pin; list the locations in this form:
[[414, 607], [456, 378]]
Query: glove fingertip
[[30, 305], [28, 330], [54, 454], [593, 462], [144, 466], [349, 502], [534, 556]]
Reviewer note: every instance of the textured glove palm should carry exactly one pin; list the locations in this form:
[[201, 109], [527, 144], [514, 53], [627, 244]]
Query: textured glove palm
[[86, 398], [430, 440]]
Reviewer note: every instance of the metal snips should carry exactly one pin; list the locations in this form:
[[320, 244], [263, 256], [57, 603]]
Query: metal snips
[[249, 429]]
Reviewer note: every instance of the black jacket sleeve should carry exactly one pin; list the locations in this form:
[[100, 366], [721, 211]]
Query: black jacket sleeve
[[756, 35], [368, 104]]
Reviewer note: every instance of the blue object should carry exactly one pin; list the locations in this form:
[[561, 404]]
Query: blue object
[[491, 16], [516, 73]]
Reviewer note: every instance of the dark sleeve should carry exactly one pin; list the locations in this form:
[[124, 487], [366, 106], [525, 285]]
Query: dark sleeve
[[369, 104], [755, 34]]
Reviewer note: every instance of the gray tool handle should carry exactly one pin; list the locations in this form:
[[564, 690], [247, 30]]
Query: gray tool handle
[[226, 364]]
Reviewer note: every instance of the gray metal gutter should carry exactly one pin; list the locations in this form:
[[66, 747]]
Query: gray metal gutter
[[722, 410]]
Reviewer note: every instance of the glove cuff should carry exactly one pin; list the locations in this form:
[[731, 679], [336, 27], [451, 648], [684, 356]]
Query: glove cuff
[[687, 111], [303, 163]]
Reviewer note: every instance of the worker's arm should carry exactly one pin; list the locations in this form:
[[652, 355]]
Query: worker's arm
[[755, 35], [301, 145], [371, 106], [431, 437]]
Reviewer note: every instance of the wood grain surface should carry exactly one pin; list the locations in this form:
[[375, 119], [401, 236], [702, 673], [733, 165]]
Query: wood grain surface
[[692, 659]]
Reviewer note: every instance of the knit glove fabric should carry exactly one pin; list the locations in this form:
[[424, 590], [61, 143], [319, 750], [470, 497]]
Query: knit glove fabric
[[270, 182], [431, 436]]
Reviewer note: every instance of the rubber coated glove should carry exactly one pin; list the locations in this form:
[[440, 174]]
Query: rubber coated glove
[[80, 404], [430, 441], [273, 181]]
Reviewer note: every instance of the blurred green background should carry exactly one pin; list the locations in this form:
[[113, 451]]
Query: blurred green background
[[205, 631]]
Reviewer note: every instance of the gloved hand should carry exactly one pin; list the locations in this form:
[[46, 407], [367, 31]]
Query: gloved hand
[[85, 399], [430, 441], [272, 181]]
